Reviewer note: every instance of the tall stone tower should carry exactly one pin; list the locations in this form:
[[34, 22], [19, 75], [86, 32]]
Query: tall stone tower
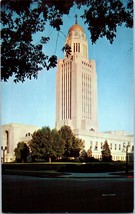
[[76, 85]]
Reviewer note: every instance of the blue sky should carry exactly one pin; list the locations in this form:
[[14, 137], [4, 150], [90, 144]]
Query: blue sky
[[33, 102]]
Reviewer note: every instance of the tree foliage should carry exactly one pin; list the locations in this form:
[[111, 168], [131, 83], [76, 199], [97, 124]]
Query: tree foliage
[[58, 144], [46, 144], [21, 152], [40, 143], [22, 58], [106, 153], [89, 153], [103, 17], [73, 145], [77, 146], [83, 155], [67, 136]]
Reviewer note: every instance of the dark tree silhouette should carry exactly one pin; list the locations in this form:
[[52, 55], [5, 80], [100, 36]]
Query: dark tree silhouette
[[20, 20], [22, 152], [83, 155]]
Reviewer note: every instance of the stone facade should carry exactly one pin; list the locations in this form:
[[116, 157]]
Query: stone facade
[[12, 134], [117, 141], [76, 85], [76, 100]]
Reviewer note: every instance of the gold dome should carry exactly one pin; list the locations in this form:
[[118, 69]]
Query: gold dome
[[75, 27]]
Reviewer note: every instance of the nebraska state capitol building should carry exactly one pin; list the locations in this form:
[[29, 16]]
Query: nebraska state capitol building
[[76, 99], [76, 104]]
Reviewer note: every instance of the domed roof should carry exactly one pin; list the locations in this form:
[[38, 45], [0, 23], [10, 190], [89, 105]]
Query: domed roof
[[75, 27]]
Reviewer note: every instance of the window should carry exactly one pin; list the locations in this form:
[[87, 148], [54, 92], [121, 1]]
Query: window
[[7, 140], [74, 47], [119, 146], [101, 145], [28, 134], [110, 145], [90, 144], [78, 47], [96, 146], [124, 147], [115, 146]]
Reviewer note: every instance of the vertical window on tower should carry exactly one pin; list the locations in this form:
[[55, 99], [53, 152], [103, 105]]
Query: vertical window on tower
[[74, 47], [78, 47], [66, 93], [70, 87], [62, 93]]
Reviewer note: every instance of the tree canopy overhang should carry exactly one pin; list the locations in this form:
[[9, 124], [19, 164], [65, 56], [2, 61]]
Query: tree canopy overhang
[[21, 58]]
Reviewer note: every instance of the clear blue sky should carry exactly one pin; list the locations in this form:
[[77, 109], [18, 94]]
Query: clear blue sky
[[33, 102]]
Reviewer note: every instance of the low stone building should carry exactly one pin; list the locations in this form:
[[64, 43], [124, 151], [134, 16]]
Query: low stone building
[[120, 143], [12, 134]]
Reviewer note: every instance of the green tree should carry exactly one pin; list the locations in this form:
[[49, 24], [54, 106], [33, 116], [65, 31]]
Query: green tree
[[41, 144], [67, 135], [77, 146], [58, 144], [22, 152], [22, 58], [46, 144], [106, 153], [73, 145]]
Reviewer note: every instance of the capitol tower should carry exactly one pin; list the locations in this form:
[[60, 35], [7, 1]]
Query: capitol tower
[[76, 85], [76, 106]]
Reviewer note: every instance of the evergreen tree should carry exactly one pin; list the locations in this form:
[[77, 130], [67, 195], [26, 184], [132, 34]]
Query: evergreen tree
[[106, 153]]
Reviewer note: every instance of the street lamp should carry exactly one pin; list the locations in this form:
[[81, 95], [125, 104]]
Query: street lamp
[[3, 150]]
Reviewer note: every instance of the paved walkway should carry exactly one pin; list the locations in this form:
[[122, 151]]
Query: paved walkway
[[55, 174], [98, 175]]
